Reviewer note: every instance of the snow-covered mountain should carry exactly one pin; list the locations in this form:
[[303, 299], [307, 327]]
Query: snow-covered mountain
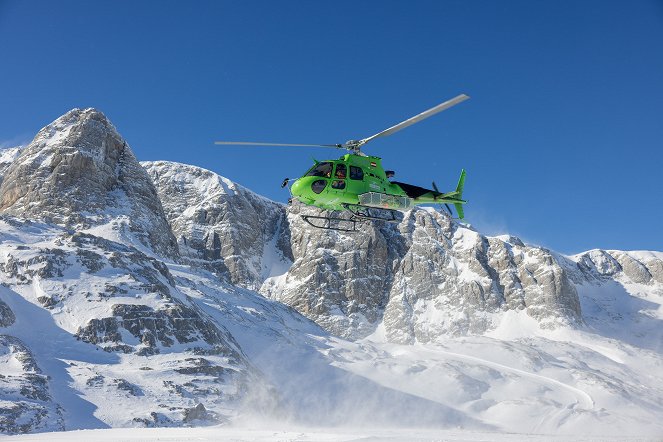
[[220, 224], [162, 294], [80, 173], [421, 280]]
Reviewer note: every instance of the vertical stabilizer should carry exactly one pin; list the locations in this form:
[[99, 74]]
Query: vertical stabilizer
[[459, 195]]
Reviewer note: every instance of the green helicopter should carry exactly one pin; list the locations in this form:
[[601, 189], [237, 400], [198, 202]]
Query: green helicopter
[[357, 184]]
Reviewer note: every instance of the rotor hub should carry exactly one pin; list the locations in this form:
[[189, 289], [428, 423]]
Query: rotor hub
[[353, 145]]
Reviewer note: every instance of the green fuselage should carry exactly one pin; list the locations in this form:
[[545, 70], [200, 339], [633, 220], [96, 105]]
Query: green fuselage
[[360, 180]]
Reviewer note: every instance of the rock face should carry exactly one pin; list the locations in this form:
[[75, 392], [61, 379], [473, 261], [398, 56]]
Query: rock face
[[85, 246], [128, 285], [644, 268], [7, 157], [7, 317], [79, 172], [25, 402], [104, 295], [422, 278], [230, 229], [341, 281]]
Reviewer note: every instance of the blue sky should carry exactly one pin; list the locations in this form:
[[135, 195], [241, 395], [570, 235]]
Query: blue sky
[[562, 139]]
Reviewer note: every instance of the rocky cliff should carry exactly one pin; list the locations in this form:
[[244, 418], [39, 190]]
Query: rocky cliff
[[422, 278], [220, 224], [80, 173], [129, 297], [418, 280], [25, 401], [85, 247]]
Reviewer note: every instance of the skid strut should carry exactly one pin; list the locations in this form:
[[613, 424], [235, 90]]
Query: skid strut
[[359, 215], [333, 223]]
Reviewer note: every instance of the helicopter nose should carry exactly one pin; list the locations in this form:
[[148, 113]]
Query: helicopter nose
[[296, 188]]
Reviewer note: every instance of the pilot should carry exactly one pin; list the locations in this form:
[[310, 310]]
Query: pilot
[[389, 173], [324, 170]]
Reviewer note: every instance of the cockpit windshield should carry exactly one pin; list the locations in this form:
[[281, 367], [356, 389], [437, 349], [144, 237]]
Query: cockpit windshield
[[323, 169]]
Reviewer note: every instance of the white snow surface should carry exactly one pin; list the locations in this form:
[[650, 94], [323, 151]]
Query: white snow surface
[[7, 155], [602, 380], [239, 434]]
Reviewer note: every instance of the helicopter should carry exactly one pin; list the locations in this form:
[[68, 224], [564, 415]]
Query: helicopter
[[358, 185]]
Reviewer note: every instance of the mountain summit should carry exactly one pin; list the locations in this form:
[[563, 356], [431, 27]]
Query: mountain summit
[[162, 294], [79, 172]]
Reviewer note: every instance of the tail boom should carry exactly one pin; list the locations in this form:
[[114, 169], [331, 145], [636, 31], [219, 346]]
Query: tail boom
[[455, 197]]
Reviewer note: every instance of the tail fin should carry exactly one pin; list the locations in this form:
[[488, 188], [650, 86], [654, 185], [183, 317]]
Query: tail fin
[[459, 195], [459, 210]]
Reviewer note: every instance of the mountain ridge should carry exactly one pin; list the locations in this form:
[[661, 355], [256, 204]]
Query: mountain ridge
[[172, 296]]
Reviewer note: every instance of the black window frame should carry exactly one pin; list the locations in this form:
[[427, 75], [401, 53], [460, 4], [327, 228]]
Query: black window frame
[[315, 186], [313, 170], [353, 176], [338, 184], [345, 171]]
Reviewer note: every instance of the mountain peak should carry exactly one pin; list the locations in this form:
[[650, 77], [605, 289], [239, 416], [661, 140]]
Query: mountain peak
[[79, 172]]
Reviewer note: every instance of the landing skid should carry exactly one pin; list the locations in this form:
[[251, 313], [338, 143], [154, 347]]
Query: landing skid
[[332, 223], [360, 214]]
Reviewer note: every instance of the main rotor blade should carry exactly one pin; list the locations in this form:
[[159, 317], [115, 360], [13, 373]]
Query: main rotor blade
[[417, 118], [251, 143]]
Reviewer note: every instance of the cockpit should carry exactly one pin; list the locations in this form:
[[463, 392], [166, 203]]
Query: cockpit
[[323, 169]]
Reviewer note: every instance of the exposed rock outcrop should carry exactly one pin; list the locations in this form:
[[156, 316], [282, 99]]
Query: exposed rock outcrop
[[25, 403], [113, 297], [220, 224], [423, 278], [7, 316], [637, 267], [401, 275], [80, 173], [341, 281], [7, 157]]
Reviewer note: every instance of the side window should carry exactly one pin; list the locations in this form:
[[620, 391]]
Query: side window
[[338, 184], [341, 171], [318, 186], [356, 173], [322, 169]]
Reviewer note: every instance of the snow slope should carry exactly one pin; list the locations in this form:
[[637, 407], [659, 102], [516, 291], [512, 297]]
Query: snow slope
[[303, 434], [590, 380], [108, 319]]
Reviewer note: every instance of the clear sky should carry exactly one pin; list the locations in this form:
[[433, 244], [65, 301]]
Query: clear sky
[[562, 138]]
